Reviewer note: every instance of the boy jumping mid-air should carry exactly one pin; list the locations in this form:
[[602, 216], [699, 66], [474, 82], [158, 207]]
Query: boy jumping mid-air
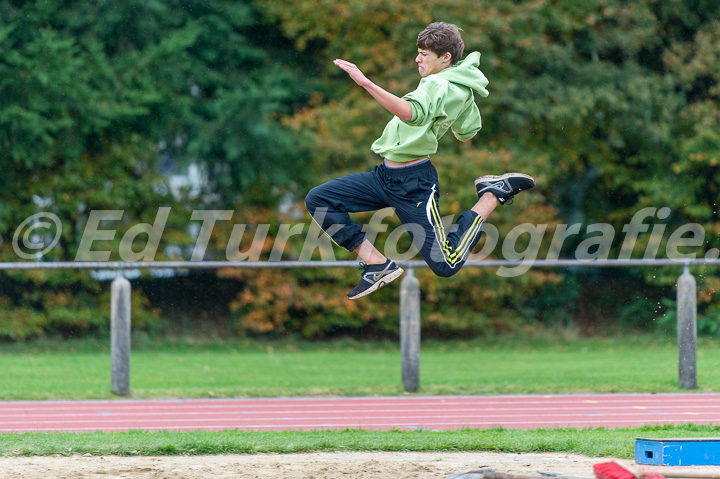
[[407, 180]]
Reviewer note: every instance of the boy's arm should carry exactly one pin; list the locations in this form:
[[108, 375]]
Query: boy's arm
[[392, 103]]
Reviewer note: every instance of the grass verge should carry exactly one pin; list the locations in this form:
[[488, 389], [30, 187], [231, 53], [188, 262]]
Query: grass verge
[[597, 442], [81, 369]]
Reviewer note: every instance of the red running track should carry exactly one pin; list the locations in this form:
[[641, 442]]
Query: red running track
[[404, 413]]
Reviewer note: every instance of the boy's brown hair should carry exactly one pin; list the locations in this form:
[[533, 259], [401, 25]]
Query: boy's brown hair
[[440, 38]]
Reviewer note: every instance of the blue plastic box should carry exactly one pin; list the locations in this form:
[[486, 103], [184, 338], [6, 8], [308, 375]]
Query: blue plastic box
[[695, 451]]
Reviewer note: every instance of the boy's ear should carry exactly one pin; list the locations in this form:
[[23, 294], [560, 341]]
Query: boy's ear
[[447, 56]]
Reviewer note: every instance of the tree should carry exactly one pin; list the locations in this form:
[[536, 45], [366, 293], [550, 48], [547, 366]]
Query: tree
[[101, 99]]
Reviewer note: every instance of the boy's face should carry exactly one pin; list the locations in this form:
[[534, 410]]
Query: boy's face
[[429, 63]]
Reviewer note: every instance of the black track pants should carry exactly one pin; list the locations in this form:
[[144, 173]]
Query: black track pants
[[413, 193]]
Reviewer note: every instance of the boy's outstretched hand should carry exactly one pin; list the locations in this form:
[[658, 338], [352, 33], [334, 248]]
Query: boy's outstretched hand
[[354, 72], [395, 105]]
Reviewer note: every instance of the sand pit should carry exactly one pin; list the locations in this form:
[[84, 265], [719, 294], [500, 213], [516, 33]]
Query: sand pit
[[346, 465]]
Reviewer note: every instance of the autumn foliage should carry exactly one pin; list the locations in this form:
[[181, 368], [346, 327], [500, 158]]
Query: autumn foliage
[[612, 106]]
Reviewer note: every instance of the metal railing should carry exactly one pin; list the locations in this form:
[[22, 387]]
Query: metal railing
[[410, 305], [486, 263]]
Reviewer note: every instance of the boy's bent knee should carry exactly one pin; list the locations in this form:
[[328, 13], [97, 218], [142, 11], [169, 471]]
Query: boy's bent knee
[[312, 200], [444, 270]]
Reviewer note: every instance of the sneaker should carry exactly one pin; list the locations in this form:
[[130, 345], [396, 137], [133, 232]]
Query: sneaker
[[375, 276], [504, 187]]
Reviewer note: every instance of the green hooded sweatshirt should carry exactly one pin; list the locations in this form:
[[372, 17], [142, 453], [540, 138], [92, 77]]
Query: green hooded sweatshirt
[[442, 100]]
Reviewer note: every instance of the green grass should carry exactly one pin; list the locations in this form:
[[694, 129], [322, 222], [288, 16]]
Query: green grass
[[590, 442], [81, 369]]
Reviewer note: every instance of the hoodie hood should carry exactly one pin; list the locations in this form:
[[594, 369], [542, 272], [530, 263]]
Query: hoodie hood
[[467, 73]]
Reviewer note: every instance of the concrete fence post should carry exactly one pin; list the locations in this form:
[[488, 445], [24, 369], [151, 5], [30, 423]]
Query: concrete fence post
[[410, 331], [120, 314], [687, 330]]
